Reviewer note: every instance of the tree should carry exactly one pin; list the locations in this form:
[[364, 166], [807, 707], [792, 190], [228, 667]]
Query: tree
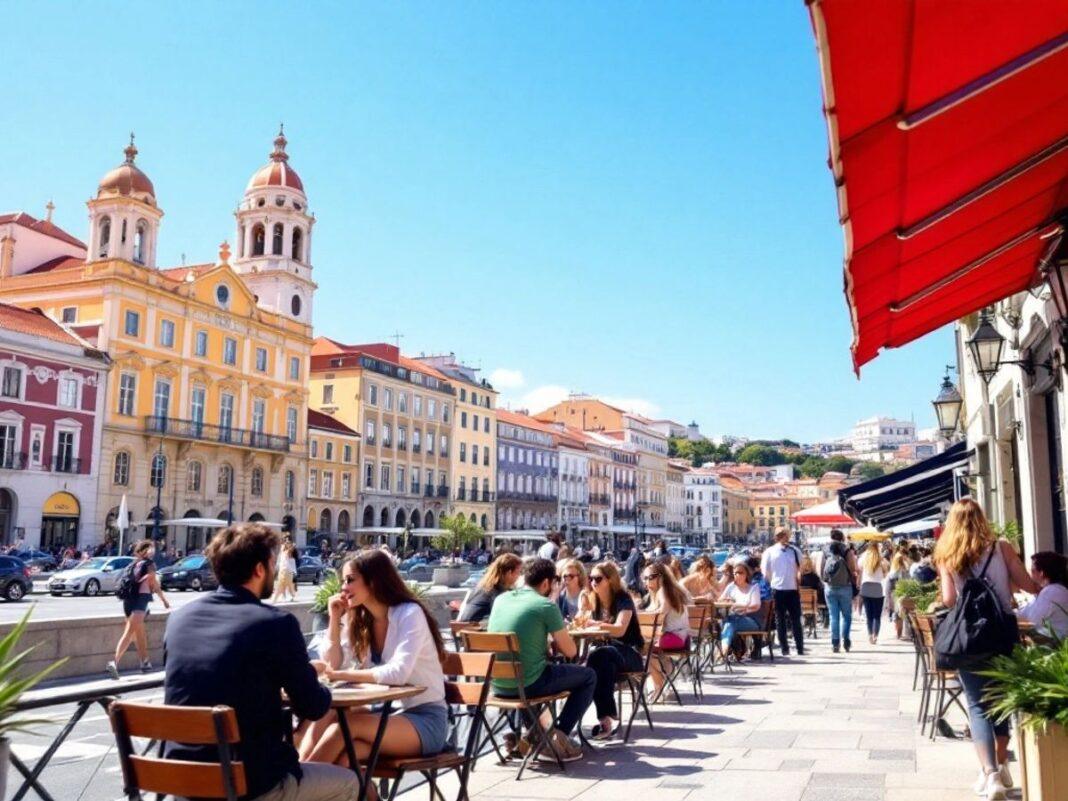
[[839, 464], [697, 452], [459, 533], [760, 455], [813, 467], [869, 470]]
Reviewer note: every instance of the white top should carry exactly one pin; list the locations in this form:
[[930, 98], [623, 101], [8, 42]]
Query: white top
[[548, 551], [997, 575], [674, 622], [746, 598], [779, 565], [1048, 610], [408, 655], [868, 575]]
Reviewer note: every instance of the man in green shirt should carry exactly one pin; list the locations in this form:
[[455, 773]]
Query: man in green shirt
[[534, 619]]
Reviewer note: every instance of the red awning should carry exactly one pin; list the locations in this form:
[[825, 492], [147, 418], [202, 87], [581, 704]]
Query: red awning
[[948, 128]]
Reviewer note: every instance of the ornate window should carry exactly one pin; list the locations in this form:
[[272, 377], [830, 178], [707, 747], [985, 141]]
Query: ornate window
[[276, 239], [158, 474], [122, 469], [291, 484], [258, 240], [194, 476], [225, 476], [256, 483], [105, 237]]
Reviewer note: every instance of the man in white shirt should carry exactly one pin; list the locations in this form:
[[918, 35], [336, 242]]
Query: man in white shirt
[[781, 566]]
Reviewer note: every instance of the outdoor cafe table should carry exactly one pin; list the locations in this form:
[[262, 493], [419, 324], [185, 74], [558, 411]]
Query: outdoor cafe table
[[351, 696]]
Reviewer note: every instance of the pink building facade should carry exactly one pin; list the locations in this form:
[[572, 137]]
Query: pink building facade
[[52, 385]]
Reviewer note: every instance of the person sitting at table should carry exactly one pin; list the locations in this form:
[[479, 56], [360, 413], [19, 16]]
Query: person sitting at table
[[573, 597], [379, 632], [744, 597], [667, 597], [701, 581], [614, 614], [1049, 610], [500, 576], [229, 649], [535, 620]]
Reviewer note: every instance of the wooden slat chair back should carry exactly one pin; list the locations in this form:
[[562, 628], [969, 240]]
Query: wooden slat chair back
[[190, 725], [456, 628], [810, 610], [649, 625]]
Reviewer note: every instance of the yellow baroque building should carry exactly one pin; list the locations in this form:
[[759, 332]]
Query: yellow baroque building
[[206, 406]]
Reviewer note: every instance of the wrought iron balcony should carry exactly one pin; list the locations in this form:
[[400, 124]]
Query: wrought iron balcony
[[461, 494], [429, 491], [194, 429], [443, 491], [417, 448], [66, 464], [12, 461]]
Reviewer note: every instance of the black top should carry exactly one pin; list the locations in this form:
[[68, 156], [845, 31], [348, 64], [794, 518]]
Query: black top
[[228, 648], [623, 603], [478, 606]]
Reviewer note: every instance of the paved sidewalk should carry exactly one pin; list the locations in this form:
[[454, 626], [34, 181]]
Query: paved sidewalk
[[822, 727]]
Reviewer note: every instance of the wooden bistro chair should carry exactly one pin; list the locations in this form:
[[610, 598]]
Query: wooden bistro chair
[[634, 682], [673, 664], [940, 686], [456, 628], [509, 667], [810, 610], [764, 635], [191, 725], [467, 690], [711, 646]]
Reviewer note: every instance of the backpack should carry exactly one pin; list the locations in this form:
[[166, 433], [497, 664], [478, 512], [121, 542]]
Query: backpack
[[977, 626], [128, 583], [836, 571]]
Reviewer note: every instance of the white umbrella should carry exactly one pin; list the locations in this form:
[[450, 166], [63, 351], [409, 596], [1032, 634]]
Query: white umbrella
[[122, 521]]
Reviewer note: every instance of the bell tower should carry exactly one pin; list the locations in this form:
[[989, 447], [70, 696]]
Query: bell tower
[[123, 217]]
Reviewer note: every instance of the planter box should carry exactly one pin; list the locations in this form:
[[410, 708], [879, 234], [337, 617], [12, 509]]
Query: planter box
[[452, 575], [1044, 759]]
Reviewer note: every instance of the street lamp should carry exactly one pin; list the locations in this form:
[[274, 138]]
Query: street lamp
[[947, 406], [986, 345]]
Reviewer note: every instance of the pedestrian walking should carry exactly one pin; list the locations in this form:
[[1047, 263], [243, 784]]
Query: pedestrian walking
[[968, 549], [781, 566], [873, 572], [899, 569], [136, 588], [286, 580], [839, 575]]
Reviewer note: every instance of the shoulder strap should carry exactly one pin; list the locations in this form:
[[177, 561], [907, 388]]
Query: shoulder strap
[[987, 563]]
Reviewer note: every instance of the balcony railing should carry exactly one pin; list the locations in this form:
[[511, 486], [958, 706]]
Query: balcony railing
[[443, 491], [194, 429], [387, 444], [417, 448], [415, 488], [487, 497], [369, 441], [12, 461], [461, 494], [402, 446], [429, 490], [66, 464]]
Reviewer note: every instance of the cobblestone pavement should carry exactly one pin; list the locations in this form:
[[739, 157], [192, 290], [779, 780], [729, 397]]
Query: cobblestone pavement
[[822, 727]]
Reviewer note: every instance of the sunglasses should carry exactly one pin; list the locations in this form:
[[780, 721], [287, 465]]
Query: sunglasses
[[596, 579], [569, 576]]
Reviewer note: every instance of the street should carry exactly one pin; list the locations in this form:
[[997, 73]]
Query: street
[[66, 607]]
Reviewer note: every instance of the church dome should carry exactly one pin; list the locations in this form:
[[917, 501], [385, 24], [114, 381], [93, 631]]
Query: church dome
[[128, 180], [277, 171]]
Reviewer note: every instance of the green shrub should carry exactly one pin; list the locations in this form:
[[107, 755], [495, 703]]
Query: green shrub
[[1032, 682]]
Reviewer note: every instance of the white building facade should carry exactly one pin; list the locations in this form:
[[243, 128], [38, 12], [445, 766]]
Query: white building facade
[[876, 438], [704, 505], [574, 500]]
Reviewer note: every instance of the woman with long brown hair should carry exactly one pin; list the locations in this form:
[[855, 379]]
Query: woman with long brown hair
[[380, 632], [613, 613], [701, 581], [501, 575], [669, 599], [968, 548]]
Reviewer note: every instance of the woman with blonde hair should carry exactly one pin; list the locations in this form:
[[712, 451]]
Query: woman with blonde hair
[[285, 581], [899, 569], [501, 575], [573, 595], [701, 581], [872, 576], [614, 613], [967, 549]]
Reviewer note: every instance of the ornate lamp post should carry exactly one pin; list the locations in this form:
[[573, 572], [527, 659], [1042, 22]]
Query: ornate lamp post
[[948, 406]]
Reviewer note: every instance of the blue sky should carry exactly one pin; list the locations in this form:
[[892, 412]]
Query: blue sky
[[624, 199]]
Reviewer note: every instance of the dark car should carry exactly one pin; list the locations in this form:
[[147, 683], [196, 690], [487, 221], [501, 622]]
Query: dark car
[[37, 560], [15, 579], [310, 569], [190, 573]]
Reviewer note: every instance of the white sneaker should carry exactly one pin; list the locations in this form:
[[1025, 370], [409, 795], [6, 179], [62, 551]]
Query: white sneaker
[[995, 789], [112, 670], [1006, 777], [980, 784]]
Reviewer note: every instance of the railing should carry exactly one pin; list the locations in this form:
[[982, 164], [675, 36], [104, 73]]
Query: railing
[[66, 464], [369, 441], [417, 448], [487, 497], [402, 446], [429, 491], [443, 491], [461, 494], [415, 488], [194, 429], [12, 461]]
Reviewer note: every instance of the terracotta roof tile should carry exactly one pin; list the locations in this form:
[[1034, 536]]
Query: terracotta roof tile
[[35, 323], [327, 423], [41, 226], [58, 263]]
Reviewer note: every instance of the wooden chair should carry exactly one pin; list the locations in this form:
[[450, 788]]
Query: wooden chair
[[508, 666], [710, 643], [470, 695], [810, 610], [190, 725], [674, 663], [764, 635], [634, 681], [940, 686], [456, 628]]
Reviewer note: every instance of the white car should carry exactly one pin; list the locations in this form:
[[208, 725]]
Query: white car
[[98, 575]]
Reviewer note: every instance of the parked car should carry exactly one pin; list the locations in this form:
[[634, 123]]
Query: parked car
[[93, 577], [310, 569], [190, 573], [39, 561], [15, 579]]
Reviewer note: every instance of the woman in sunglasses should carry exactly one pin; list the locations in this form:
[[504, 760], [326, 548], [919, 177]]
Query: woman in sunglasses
[[573, 596], [613, 613], [745, 602], [668, 598]]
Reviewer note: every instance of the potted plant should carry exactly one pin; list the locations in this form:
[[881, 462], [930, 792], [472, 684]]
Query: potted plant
[[320, 603], [1031, 686], [917, 594], [459, 533], [12, 686]]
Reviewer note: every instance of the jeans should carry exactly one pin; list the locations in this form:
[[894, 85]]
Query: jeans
[[788, 602], [984, 730], [607, 662], [320, 783], [840, 608], [577, 680], [735, 623], [873, 614]]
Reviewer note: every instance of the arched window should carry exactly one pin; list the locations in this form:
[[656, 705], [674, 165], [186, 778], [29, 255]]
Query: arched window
[[485, 523], [400, 518], [140, 242], [384, 518], [158, 473], [256, 483], [324, 521], [291, 483], [473, 518], [429, 522], [298, 244], [416, 520], [225, 475], [105, 237], [343, 522], [276, 239], [258, 240], [368, 517], [193, 477], [122, 468]]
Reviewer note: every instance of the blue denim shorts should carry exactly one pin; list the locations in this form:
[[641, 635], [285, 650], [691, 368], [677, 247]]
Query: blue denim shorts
[[431, 722]]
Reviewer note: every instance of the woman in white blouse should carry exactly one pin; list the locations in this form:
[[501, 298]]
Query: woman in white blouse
[[380, 633], [745, 602]]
